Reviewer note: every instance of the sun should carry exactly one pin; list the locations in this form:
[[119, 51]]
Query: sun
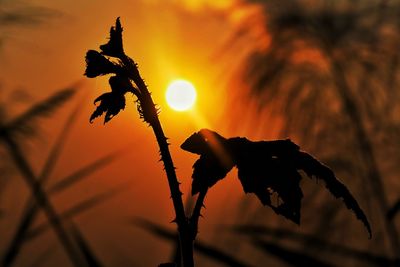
[[181, 95]]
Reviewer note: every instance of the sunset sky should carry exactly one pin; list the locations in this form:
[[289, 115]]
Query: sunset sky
[[169, 40], [208, 43]]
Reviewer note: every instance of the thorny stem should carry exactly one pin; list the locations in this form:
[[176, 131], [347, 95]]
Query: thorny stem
[[42, 200], [194, 219], [150, 115]]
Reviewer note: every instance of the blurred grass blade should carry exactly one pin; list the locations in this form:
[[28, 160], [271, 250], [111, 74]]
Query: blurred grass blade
[[77, 209], [393, 210], [291, 257], [59, 144], [88, 253], [200, 247], [41, 198], [31, 208], [13, 14], [16, 243], [255, 231], [25, 122], [82, 173]]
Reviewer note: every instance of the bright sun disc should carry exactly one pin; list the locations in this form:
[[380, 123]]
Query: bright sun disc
[[181, 95]]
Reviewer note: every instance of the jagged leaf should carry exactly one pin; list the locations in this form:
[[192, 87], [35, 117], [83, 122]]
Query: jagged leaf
[[312, 167], [114, 46], [111, 103], [269, 169], [264, 172]]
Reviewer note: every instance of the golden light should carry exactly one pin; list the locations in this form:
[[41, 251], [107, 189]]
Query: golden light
[[181, 95]]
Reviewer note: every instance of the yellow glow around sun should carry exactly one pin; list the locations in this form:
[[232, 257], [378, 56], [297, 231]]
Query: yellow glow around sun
[[181, 95]]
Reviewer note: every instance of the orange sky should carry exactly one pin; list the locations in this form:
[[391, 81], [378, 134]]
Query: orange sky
[[168, 40]]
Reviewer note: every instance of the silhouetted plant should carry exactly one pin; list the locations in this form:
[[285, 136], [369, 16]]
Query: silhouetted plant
[[265, 167]]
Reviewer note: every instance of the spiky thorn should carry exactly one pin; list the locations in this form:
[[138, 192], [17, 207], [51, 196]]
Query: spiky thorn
[[194, 219]]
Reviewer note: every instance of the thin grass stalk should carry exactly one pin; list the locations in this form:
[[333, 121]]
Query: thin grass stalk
[[42, 200]]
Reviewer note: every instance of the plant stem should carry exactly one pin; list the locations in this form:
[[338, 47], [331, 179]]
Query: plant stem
[[42, 200], [194, 219], [150, 115]]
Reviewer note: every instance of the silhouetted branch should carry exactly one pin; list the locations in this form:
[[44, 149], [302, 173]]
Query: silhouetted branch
[[194, 219]]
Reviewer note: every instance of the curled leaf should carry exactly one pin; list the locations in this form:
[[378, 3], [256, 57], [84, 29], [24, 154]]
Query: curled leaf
[[113, 102], [97, 64], [114, 46], [110, 103], [269, 169]]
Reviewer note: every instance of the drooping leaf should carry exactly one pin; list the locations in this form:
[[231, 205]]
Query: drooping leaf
[[114, 46], [111, 103], [97, 65], [313, 168], [269, 169]]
